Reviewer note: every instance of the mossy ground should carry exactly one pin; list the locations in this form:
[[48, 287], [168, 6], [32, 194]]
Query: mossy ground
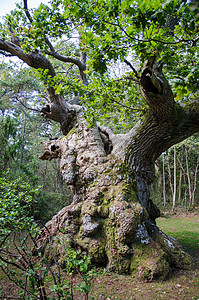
[[183, 284]]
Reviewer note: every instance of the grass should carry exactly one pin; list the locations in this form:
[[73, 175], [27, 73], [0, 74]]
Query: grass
[[184, 230]]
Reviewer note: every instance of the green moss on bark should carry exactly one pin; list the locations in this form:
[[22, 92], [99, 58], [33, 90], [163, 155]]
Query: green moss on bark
[[73, 130], [149, 261]]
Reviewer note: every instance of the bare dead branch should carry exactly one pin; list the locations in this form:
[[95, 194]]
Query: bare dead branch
[[4, 239], [52, 273], [56, 262], [7, 261]]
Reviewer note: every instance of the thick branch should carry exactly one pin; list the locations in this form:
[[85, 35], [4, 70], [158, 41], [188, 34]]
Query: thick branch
[[68, 59], [57, 110], [156, 90], [151, 137], [164, 125], [27, 11], [185, 123], [33, 59], [73, 60], [168, 122]]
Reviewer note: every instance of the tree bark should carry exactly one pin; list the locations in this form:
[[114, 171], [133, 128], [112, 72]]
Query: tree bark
[[57, 109], [112, 216]]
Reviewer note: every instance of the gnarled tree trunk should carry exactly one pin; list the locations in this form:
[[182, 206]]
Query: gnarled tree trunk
[[112, 216]]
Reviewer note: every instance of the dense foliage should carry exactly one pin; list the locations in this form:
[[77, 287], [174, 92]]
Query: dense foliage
[[15, 207], [117, 37]]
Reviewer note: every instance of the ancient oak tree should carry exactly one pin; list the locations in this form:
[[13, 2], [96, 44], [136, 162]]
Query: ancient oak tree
[[112, 216]]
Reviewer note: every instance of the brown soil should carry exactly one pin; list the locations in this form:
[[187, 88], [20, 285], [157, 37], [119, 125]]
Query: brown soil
[[109, 286]]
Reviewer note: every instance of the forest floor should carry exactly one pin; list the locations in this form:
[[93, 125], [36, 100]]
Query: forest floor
[[183, 284]]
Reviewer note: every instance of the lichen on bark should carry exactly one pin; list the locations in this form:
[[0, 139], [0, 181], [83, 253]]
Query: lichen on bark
[[112, 216], [107, 218]]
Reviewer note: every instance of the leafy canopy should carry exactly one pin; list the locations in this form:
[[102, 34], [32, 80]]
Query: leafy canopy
[[111, 31], [114, 29]]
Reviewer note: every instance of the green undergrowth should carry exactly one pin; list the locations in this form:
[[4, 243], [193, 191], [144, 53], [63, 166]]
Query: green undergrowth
[[184, 230]]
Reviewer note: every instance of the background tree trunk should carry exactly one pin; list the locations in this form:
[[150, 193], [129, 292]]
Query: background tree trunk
[[195, 183], [174, 179], [188, 178], [163, 178], [180, 186], [169, 173]]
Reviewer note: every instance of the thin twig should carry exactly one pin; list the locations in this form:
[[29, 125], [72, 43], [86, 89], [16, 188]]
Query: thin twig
[[17, 282], [134, 109], [20, 253], [57, 264], [29, 108], [55, 281], [128, 78], [58, 267], [10, 262], [134, 70], [4, 239], [152, 39]]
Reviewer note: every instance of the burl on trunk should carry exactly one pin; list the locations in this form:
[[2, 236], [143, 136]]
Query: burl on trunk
[[112, 216]]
